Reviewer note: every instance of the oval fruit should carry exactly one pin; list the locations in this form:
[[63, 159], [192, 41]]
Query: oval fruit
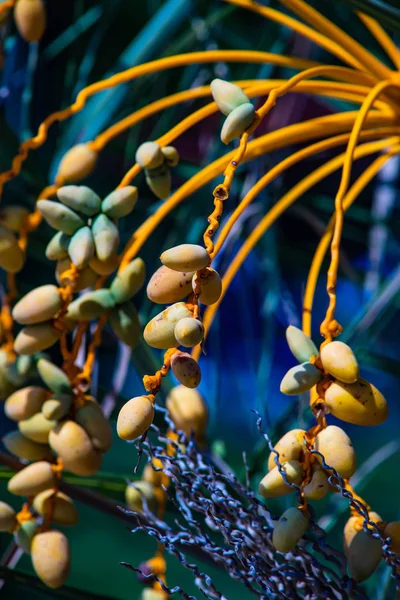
[[289, 530], [358, 403], [301, 346], [227, 95], [70, 441], [364, 555], [86, 465], [135, 417], [57, 248], [104, 267], [136, 491], [30, 19], [92, 419], [171, 155], [186, 370], [57, 506], [336, 447], [159, 332], [8, 520], [289, 447], [149, 155], [26, 402], [211, 286], [12, 258], [318, 487], [300, 379], [60, 217], [273, 485], [37, 428], [41, 304], [189, 332], [106, 237], [120, 202], [13, 217], [53, 377], [127, 283], [354, 525], [77, 163], [186, 257], [81, 247], [237, 122], [35, 338], [339, 361], [57, 407], [51, 557], [159, 181], [32, 479], [91, 305], [23, 447], [80, 198], [187, 410], [167, 286]]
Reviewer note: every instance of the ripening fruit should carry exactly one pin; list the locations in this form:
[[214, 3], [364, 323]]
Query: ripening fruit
[[24, 535], [41, 304], [186, 370], [135, 417], [24, 365], [125, 323], [32, 479], [57, 506], [11, 256], [70, 441], [26, 402], [301, 346], [53, 377], [37, 428], [13, 217], [106, 237], [120, 202], [237, 122], [168, 286], [171, 155], [392, 530], [159, 332], [339, 361], [80, 198], [77, 163], [81, 247], [318, 487], [104, 267], [136, 491], [359, 403], [8, 521], [300, 379], [57, 248], [289, 447], [289, 530], [354, 525], [211, 286], [363, 556], [149, 155], [187, 410], [30, 19], [57, 407], [85, 465], [227, 96], [59, 216], [189, 332], [92, 419], [51, 557], [23, 447], [91, 305], [159, 181], [35, 338], [337, 449], [129, 281], [273, 485], [186, 257]]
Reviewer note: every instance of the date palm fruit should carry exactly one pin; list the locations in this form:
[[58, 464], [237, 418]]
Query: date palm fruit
[[51, 557], [354, 525], [171, 155], [81, 247], [120, 202], [127, 283], [87, 277], [237, 122], [189, 332], [23, 447], [84, 465], [339, 361], [39, 305], [211, 286], [13, 217], [185, 257], [25, 366], [104, 267], [70, 441], [53, 377], [289, 530], [32, 480], [364, 554], [300, 379], [186, 370], [159, 181], [11, 256], [358, 403], [336, 447], [93, 421], [227, 96], [392, 530], [106, 237], [136, 491], [30, 19], [187, 410], [290, 447], [57, 248], [80, 198], [37, 428], [60, 217], [125, 323], [57, 407], [273, 485], [35, 338], [24, 535], [57, 506], [8, 520], [159, 332], [135, 417], [167, 286], [26, 402], [91, 305], [77, 163], [149, 155], [301, 346], [318, 487]]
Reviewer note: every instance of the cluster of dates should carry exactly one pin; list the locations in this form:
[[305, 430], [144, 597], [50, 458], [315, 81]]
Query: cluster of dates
[[235, 105], [342, 393], [157, 163], [56, 430]]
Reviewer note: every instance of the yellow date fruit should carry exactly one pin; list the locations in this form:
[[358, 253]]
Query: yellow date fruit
[[289, 530], [273, 485], [290, 447], [186, 257], [51, 557], [337, 449], [167, 286], [32, 479], [135, 417], [159, 332], [339, 361], [57, 506], [26, 402], [41, 304], [358, 403], [186, 370]]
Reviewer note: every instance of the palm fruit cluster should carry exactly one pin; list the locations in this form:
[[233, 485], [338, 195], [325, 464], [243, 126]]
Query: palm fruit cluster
[[235, 105], [157, 163], [12, 257], [57, 429], [342, 393], [30, 19]]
